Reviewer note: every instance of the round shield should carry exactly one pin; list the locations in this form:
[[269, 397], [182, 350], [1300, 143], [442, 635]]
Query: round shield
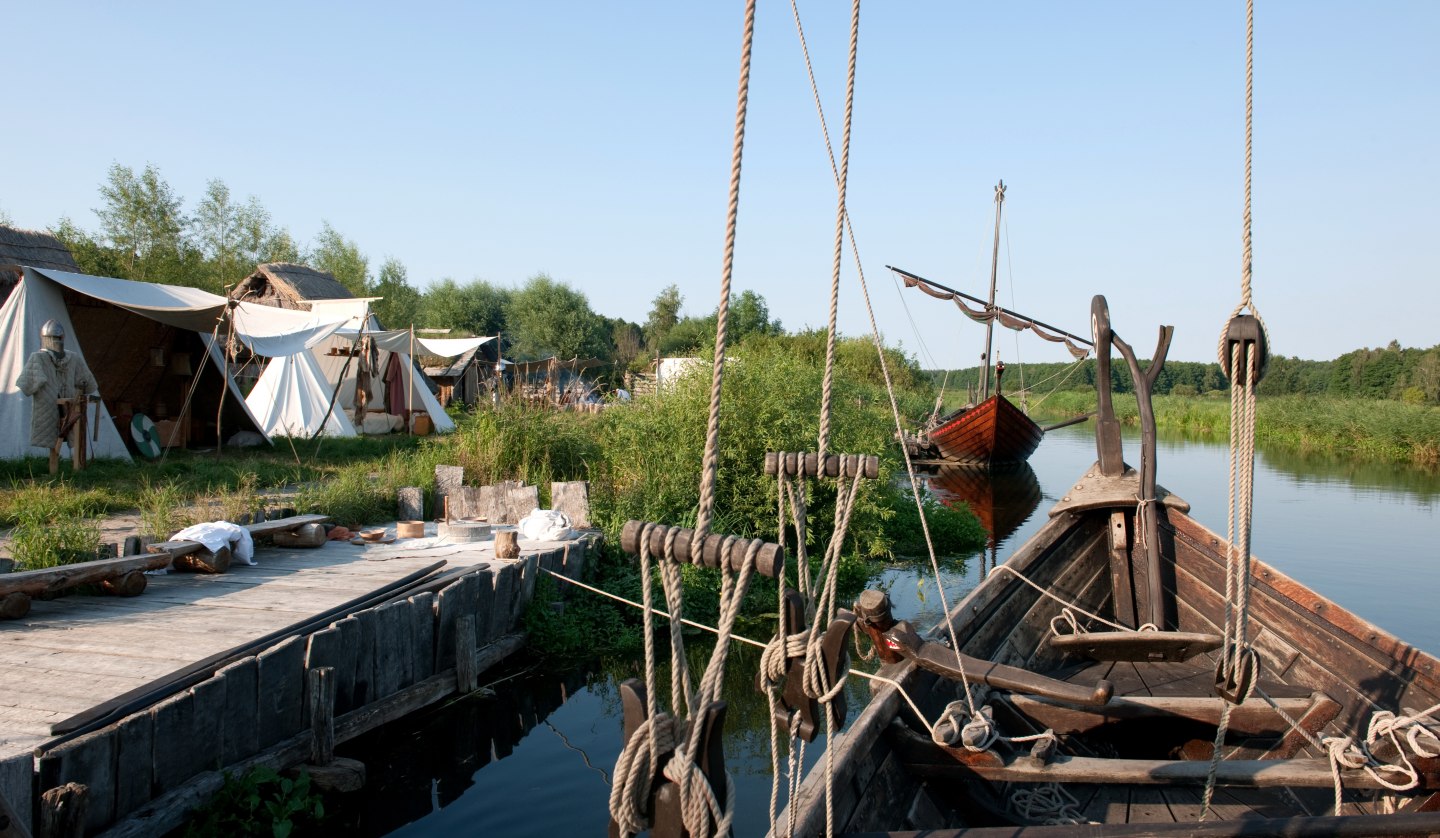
[[147, 439]]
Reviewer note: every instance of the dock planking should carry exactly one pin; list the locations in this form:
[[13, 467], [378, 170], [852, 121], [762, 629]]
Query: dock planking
[[74, 652]]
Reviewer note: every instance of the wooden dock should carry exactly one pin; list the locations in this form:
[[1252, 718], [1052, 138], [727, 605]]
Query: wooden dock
[[76, 652]]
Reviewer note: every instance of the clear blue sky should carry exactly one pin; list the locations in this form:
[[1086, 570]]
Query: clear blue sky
[[591, 141]]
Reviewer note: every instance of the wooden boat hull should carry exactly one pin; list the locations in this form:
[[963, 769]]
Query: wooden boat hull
[[992, 433], [1334, 668]]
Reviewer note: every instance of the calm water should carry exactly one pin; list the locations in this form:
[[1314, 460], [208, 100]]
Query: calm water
[[535, 758]]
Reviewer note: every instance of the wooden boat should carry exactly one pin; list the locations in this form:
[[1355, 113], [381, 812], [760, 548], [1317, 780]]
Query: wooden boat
[[1135, 722], [991, 431]]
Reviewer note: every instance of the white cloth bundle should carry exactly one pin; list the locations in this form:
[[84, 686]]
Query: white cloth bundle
[[217, 534], [545, 525]]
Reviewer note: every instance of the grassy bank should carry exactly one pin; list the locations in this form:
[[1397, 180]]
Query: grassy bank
[[1368, 429]]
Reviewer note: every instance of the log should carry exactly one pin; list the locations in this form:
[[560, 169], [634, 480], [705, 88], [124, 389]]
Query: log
[[507, 545], [55, 579], [13, 606], [63, 810], [305, 536], [809, 464], [204, 561], [131, 584], [411, 501]]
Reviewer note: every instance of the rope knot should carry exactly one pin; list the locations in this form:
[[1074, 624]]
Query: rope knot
[[957, 726]]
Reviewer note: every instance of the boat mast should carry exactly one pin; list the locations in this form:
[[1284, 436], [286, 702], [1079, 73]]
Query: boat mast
[[990, 309]]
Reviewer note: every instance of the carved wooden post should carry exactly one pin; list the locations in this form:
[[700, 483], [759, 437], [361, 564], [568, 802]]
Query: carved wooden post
[[1107, 427]]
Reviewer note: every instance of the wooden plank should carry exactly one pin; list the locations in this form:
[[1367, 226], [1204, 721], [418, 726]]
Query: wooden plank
[[349, 629], [170, 720], [207, 723], [241, 720], [364, 658], [392, 647], [573, 499], [411, 500], [484, 608], [456, 600], [422, 634], [260, 530], [529, 569], [1254, 717], [134, 762], [1147, 805], [1119, 541], [503, 603], [281, 690], [17, 782]]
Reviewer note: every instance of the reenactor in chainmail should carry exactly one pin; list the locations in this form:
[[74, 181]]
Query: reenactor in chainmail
[[49, 375]]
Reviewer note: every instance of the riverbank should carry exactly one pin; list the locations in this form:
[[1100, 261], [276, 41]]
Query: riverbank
[[1366, 429]]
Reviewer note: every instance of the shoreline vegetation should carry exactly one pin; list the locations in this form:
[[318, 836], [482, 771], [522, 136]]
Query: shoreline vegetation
[[1378, 430]]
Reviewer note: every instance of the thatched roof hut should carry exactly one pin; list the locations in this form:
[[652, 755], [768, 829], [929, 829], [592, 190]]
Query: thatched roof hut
[[286, 285], [33, 249]]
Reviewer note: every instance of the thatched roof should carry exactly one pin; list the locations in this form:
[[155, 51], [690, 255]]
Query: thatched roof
[[287, 285], [33, 249]]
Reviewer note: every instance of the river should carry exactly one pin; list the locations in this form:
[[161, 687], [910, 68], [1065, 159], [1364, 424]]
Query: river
[[535, 757]]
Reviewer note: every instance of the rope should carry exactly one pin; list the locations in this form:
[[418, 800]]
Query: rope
[[1239, 664], [842, 178], [1344, 751], [1048, 803], [1068, 606], [710, 463]]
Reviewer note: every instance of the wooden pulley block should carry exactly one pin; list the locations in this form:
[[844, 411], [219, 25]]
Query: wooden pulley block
[[810, 464], [715, 551], [798, 712], [204, 561], [664, 809], [1245, 329]]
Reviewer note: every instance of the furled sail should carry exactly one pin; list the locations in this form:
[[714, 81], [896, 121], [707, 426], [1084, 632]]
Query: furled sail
[[1078, 346]]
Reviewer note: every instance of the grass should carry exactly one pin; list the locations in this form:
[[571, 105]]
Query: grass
[[54, 525]]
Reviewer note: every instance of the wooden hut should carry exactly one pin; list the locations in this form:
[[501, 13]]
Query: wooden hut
[[35, 249], [287, 285]]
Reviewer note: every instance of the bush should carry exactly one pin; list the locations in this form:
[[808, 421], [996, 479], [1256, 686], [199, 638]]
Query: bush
[[261, 803]]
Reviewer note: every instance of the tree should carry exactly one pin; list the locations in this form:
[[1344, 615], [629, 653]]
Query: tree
[[750, 315], [5, 218], [664, 314], [90, 254], [477, 307], [546, 317], [218, 231], [625, 340], [400, 301], [142, 218], [341, 258]]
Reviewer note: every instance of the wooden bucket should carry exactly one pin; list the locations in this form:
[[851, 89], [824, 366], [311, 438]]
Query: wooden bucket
[[410, 529]]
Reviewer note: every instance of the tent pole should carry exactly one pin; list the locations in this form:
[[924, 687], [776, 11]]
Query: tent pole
[[224, 381], [410, 391]]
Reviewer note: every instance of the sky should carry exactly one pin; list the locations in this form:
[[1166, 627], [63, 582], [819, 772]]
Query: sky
[[592, 142]]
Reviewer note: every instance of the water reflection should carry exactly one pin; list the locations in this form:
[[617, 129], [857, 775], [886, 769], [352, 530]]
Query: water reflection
[[1003, 499]]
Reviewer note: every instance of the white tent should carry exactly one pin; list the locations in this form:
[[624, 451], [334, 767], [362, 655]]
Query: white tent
[[123, 363], [294, 394]]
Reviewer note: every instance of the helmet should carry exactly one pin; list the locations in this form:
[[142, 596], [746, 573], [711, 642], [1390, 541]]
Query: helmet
[[52, 336]]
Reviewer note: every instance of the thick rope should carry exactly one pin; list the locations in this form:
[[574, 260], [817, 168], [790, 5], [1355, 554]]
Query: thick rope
[[1344, 751], [842, 178], [710, 463], [1238, 661]]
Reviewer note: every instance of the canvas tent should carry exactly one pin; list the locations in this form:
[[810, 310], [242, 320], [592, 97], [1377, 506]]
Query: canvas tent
[[294, 394], [145, 344]]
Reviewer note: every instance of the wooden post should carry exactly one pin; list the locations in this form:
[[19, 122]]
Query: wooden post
[[322, 715], [410, 391], [507, 545], [465, 674], [63, 810]]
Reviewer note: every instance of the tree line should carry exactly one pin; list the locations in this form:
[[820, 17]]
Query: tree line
[[1410, 375], [147, 233]]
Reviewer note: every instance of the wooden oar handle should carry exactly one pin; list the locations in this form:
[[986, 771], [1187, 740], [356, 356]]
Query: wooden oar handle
[[770, 561], [810, 464]]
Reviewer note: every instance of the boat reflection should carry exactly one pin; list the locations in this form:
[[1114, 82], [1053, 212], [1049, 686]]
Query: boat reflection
[[1003, 499]]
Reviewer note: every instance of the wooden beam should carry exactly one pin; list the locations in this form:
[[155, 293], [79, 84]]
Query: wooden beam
[[928, 760], [1252, 718], [1331, 827]]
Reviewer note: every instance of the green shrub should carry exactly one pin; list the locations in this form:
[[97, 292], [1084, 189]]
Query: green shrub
[[261, 803]]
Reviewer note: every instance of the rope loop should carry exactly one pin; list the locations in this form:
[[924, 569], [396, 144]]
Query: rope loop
[[1049, 804]]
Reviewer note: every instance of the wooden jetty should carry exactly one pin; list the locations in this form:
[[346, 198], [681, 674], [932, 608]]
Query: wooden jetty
[[204, 672]]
